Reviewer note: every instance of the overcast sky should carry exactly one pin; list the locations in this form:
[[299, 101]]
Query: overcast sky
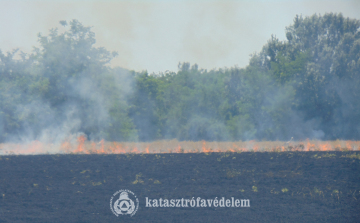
[[156, 35]]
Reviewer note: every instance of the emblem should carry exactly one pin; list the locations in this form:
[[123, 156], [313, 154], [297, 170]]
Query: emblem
[[125, 204]]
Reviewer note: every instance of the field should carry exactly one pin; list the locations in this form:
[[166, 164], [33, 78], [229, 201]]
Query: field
[[284, 181]]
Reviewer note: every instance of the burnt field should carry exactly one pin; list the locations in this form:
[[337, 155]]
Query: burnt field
[[310, 186]]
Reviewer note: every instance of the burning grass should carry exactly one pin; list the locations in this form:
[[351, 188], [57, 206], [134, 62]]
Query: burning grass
[[82, 146]]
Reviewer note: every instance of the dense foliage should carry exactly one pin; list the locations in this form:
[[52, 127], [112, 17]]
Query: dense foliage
[[304, 87]]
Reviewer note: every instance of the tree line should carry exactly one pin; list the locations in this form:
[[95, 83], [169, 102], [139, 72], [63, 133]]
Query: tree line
[[306, 86]]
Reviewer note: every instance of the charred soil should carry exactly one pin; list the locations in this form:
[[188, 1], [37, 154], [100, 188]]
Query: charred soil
[[281, 186]]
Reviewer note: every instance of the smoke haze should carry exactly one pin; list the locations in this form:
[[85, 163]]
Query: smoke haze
[[303, 84], [156, 35]]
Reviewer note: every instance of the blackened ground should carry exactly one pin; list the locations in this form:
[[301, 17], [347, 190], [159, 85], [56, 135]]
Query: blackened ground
[[282, 187]]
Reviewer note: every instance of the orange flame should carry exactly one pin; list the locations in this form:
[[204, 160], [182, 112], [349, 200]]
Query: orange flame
[[309, 146], [348, 145], [204, 149], [82, 146]]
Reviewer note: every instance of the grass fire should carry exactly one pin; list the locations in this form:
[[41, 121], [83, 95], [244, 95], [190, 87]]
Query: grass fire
[[83, 146], [280, 135]]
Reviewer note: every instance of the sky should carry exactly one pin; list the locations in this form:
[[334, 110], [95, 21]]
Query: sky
[[155, 35]]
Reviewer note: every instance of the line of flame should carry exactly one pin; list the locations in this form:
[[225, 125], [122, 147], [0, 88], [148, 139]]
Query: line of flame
[[86, 147]]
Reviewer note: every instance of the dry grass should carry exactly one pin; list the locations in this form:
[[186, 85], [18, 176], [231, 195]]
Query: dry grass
[[173, 146]]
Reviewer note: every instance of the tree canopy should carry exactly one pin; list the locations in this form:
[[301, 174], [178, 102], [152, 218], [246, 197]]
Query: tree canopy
[[306, 86]]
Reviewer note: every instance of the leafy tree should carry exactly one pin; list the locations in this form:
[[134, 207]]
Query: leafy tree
[[320, 59], [69, 89], [303, 87]]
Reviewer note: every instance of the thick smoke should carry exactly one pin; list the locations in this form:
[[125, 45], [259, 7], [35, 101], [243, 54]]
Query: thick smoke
[[85, 111], [63, 90]]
